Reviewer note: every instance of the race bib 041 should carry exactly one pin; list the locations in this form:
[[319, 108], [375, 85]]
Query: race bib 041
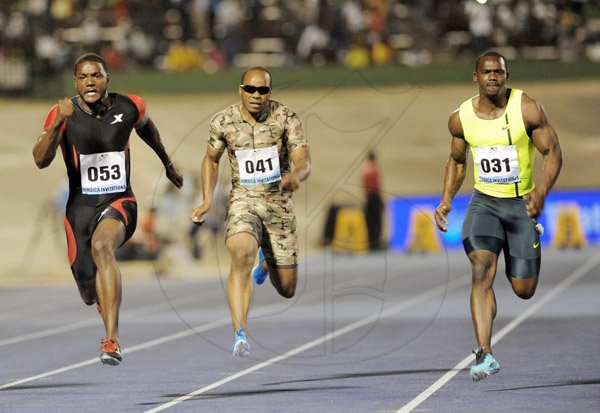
[[258, 166]]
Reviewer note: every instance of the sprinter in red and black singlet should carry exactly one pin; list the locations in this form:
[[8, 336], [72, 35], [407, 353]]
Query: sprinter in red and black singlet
[[93, 130], [96, 154], [85, 133]]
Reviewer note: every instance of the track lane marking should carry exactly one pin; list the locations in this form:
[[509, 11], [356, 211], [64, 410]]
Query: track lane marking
[[432, 293], [559, 288], [94, 321]]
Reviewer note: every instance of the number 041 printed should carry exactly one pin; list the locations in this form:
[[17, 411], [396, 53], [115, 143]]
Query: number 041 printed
[[258, 166]]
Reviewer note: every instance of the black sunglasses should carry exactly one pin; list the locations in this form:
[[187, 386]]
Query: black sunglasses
[[263, 90]]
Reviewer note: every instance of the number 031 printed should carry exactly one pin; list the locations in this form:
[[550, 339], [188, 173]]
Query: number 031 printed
[[497, 164]]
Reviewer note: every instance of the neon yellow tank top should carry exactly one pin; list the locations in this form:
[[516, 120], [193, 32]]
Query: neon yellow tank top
[[503, 154]]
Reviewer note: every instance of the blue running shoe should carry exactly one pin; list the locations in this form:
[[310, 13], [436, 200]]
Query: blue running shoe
[[259, 273], [485, 365], [241, 347]]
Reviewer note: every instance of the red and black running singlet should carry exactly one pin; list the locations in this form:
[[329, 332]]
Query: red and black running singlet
[[96, 149]]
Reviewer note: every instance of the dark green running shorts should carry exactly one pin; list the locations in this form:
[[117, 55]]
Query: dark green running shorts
[[495, 224]]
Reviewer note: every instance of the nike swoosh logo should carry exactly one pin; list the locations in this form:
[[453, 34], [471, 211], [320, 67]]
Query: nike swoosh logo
[[536, 245], [504, 127]]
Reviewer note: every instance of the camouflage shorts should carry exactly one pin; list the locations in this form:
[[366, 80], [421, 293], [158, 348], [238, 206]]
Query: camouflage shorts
[[270, 219]]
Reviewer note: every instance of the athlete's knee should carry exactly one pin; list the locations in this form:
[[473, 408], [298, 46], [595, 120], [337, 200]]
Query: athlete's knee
[[483, 267], [524, 288], [102, 247], [482, 273], [242, 258], [287, 290], [87, 291], [285, 282], [524, 293]]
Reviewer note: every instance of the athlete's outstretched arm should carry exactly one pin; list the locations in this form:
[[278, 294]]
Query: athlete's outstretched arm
[[455, 171], [149, 134], [545, 139], [209, 173], [301, 169], [44, 150]]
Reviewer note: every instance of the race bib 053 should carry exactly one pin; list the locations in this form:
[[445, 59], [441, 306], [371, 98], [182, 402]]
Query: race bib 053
[[103, 173]]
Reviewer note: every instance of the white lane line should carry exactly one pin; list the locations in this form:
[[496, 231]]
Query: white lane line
[[143, 310], [40, 308], [148, 344], [50, 331], [428, 295], [96, 321], [223, 322], [559, 288]]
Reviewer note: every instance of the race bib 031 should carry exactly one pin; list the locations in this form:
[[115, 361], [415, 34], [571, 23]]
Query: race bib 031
[[497, 164]]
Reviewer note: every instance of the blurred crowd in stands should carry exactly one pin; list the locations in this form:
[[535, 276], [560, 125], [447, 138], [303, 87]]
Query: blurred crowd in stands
[[212, 34]]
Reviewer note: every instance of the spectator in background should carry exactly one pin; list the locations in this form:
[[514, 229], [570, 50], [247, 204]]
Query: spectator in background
[[481, 25], [320, 32], [214, 220], [371, 184], [228, 29]]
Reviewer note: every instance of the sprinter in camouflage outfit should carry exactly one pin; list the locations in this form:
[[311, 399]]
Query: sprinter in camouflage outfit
[[269, 157]]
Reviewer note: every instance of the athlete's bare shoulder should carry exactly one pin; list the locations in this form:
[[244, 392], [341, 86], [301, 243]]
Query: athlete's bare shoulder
[[533, 112], [455, 125]]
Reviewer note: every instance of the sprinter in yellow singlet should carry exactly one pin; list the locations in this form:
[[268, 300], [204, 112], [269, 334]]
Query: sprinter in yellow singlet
[[503, 127]]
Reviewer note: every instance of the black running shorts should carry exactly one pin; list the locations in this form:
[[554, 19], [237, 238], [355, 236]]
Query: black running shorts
[[80, 223]]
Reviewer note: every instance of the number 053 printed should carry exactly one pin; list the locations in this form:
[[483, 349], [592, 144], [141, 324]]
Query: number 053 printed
[[103, 173]]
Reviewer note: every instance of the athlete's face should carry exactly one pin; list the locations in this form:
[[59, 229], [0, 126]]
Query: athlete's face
[[491, 75], [253, 101], [91, 81]]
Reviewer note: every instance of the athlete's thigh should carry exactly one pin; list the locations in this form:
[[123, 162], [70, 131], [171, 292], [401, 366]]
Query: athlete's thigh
[[280, 237], [123, 210], [109, 231], [482, 229], [79, 226], [242, 217]]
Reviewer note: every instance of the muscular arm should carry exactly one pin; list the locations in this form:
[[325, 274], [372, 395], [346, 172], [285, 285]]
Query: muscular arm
[[44, 150], [301, 170], [209, 173], [455, 171], [545, 139], [149, 134]]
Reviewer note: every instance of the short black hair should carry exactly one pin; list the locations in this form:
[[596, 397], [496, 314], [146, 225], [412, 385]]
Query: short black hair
[[91, 57], [262, 69], [489, 53]]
